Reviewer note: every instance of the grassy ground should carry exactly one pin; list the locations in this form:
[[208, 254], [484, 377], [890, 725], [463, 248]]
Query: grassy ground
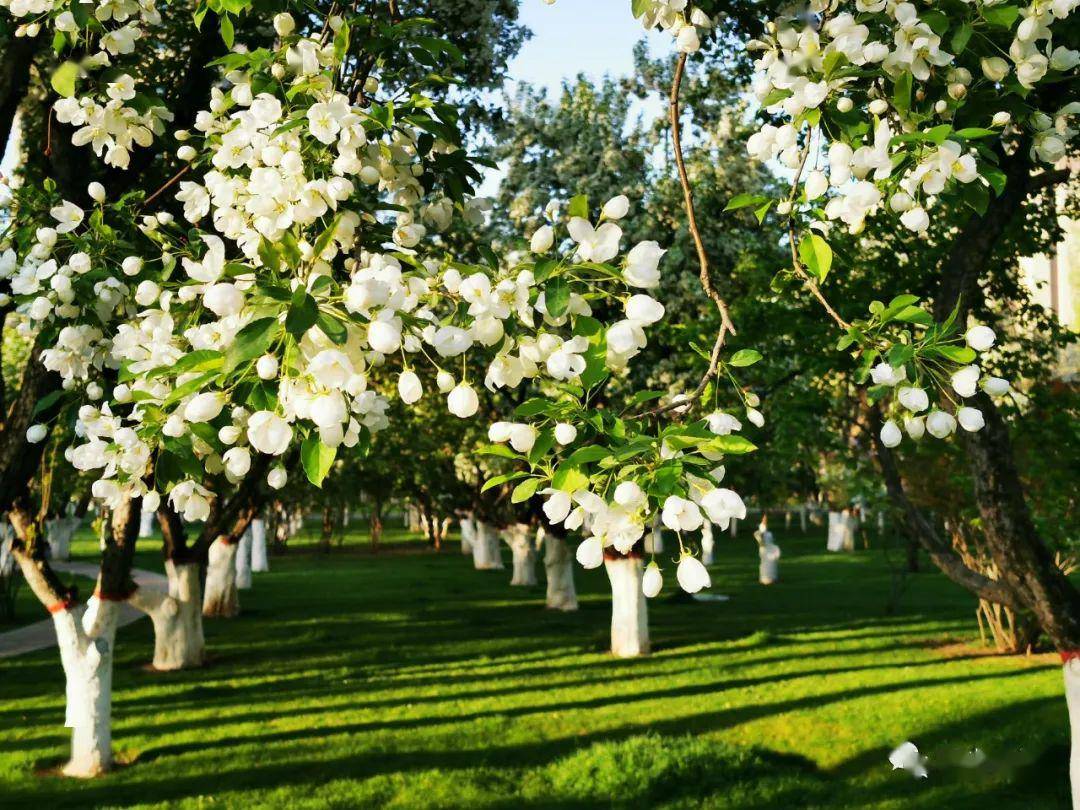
[[409, 680]]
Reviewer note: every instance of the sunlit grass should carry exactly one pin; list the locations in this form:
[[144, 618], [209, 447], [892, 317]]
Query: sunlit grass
[[407, 679]]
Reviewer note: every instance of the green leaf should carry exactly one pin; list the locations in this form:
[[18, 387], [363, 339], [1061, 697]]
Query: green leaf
[[961, 37], [46, 402], [744, 201], [744, 357], [317, 458], [579, 206], [976, 196], [816, 255], [341, 42], [332, 328], [938, 22], [499, 480], [585, 455], [731, 444], [63, 79], [202, 360], [997, 180], [303, 312], [1003, 16], [902, 92], [228, 35], [916, 315], [525, 490], [497, 450], [543, 269], [639, 7], [958, 354], [250, 342], [269, 256], [569, 479], [534, 407], [557, 296], [971, 133]]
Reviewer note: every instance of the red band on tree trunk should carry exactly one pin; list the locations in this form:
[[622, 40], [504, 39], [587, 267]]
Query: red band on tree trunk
[[56, 607], [1066, 657]]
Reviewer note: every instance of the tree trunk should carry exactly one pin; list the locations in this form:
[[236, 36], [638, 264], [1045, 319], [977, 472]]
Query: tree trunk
[[221, 598], [177, 618], [559, 564], [708, 544], [629, 609], [522, 544], [468, 534], [59, 532], [376, 527], [146, 523], [487, 555], [260, 561], [243, 561], [86, 638], [327, 534]]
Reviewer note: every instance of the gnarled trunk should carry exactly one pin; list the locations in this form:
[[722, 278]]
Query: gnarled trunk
[[221, 598], [177, 618], [629, 611], [559, 564]]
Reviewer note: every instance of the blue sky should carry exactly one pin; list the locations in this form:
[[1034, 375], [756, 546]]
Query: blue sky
[[579, 36]]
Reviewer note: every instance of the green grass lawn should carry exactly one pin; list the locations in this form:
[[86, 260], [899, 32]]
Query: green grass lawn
[[409, 680]]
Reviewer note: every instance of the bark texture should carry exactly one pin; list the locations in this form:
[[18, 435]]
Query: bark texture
[[177, 618], [221, 598], [522, 544]]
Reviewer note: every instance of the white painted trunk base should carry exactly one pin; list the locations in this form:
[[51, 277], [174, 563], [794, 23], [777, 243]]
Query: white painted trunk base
[[523, 548], [146, 523], [629, 611], [177, 618], [468, 535], [58, 533], [1071, 669], [559, 564], [243, 561], [708, 544], [221, 598], [260, 559], [86, 638], [487, 555]]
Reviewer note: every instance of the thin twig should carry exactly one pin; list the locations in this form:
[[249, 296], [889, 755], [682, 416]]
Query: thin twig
[[726, 326], [688, 197], [168, 183]]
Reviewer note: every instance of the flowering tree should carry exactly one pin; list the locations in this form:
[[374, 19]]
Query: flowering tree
[[307, 282]]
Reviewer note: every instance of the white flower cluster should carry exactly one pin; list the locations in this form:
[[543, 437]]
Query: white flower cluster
[[105, 117], [806, 69], [293, 183], [915, 401], [684, 21]]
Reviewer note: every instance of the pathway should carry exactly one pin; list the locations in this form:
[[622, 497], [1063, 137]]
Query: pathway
[[42, 635]]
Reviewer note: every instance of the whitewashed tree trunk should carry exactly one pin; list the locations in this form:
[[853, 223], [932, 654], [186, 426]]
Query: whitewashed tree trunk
[[802, 519], [629, 611], [881, 521], [734, 528], [177, 618], [835, 538], [769, 568], [58, 533], [221, 598], [486, 553], [708, 544], [1072, 698], [654, 541], [243, 561], [468, 535], [523, 548], [559, 564], [86, 639], [146, 522], [260, 560]]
